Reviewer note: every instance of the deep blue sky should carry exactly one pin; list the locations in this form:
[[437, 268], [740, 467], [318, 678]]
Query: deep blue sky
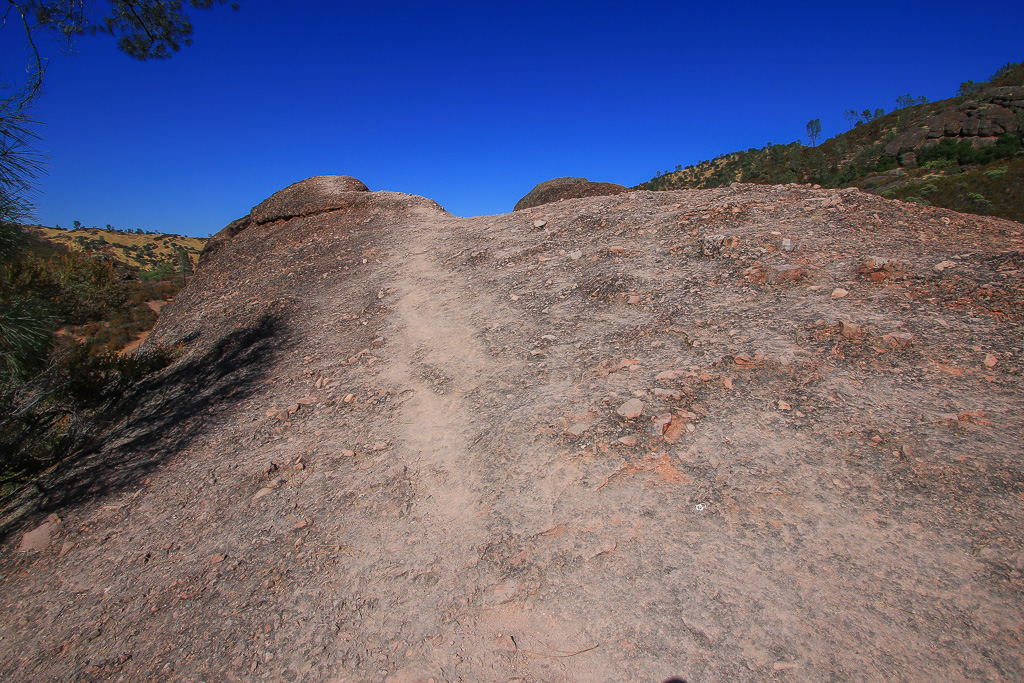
[[472, 103]]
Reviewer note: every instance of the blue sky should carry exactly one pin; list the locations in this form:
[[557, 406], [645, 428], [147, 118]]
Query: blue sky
[[470, 103]]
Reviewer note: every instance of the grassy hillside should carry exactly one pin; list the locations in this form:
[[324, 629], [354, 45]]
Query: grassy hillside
[[105, 287], [952, 174], [155, 255]]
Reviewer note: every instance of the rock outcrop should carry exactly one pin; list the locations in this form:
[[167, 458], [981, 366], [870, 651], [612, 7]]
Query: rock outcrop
[[979, 121], [748, 433], [566, 188]]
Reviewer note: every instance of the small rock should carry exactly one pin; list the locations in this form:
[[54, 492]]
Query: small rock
[[669, 375], [629, 441], [787, 244], [633, 299], [293, 408], [711, 245], [990, 360], [942, 265], [349, 398], [631, 409], [539, 223], [579, 428], [839, 293], [669, 394], [898, 340], [39, 538], [345, 452], [306, 400], [379, 446], [848, 329], [269, 467], [377, 343], [265, 491], [575, 255], [661, 423], [779, 274], [216, 558], [784, 406]]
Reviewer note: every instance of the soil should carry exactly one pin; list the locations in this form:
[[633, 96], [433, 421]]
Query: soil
[[399, 445]]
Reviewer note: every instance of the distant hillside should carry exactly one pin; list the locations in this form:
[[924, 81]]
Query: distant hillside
[[106, 286], [963, 153], [156, 255]]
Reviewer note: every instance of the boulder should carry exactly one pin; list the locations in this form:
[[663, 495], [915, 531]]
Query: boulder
[[971, 126], [1000, 117], [309, 196], [907, 140], [566, 188]]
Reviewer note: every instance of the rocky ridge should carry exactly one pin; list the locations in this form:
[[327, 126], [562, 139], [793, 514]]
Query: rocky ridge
[[979, 121], [748, 433]]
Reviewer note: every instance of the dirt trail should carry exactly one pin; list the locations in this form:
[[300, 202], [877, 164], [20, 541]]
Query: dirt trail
[[397, 446]]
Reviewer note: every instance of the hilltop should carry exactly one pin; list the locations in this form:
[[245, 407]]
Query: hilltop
[[749, 432], [962, 153]]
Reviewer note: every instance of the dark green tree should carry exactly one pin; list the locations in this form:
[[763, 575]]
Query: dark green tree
[[851, 117], [814, 131]]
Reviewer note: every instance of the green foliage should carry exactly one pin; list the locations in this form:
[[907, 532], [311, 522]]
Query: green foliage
[[26, 333], [978, 190], [144, 29], [885, 164], [905, 101], [964, 153]]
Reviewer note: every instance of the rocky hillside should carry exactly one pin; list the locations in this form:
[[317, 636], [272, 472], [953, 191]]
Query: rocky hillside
[[933, 153], [744, 433]]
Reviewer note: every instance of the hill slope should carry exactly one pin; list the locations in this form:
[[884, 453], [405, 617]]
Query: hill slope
[[724, 434], [962, 153]]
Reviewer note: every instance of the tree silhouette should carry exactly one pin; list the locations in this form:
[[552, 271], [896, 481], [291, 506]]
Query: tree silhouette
[[813, 131]]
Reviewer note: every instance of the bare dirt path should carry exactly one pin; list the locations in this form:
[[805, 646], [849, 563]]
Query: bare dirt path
[[398, 446]]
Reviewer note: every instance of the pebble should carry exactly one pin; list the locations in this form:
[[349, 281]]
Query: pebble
[[632, 408], [839, 293], [848, 329]]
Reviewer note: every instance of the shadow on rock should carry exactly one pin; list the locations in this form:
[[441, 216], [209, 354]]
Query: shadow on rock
[[159, 418]]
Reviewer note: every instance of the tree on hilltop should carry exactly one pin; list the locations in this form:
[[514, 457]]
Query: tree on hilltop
[[813, 131]]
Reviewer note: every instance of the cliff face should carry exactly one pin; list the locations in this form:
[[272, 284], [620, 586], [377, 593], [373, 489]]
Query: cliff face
[[723, 434], [979, 121]]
